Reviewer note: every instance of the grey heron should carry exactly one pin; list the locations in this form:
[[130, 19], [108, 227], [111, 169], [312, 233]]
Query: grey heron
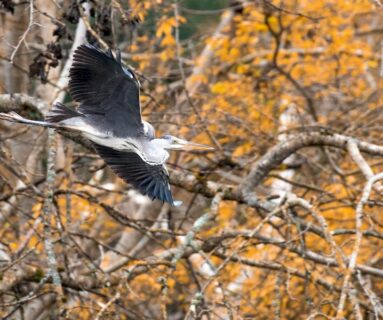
[[109, 115]]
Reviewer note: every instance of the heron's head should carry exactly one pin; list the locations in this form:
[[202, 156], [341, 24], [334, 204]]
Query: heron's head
[[174, 143]]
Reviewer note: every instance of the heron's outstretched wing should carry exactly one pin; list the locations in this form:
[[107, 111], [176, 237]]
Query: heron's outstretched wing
[[150, 180], [107, 90]]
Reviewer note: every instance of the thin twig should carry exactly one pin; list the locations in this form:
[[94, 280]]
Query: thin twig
[[355, 154], [185, 87], [24, 35], [107, 305], [358, 241], [374, 299]]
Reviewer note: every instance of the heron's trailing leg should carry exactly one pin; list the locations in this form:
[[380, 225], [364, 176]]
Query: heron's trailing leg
[[14, 117]]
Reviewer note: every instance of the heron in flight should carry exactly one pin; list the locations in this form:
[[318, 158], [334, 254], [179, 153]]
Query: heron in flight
[[109, 115]]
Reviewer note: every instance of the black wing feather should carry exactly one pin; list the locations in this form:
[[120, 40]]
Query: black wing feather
[[107, 90], [150, 180]]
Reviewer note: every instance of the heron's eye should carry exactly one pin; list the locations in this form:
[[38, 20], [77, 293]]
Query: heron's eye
[[168, 137]]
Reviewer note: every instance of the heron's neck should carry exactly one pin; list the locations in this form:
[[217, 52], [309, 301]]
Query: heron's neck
[[148, 129], [153, 151]]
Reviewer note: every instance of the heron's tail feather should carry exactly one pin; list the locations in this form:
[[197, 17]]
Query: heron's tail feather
[[60, 112]]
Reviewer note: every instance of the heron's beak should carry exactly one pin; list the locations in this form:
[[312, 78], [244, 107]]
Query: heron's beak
[[182, 144]]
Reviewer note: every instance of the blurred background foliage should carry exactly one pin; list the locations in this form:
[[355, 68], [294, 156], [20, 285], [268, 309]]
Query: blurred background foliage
[[240, 76]]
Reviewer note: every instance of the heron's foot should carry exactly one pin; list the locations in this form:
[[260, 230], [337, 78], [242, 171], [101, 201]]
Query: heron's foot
[[11, 116]]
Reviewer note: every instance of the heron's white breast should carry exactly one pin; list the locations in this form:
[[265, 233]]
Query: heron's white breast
[[91, 133]]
